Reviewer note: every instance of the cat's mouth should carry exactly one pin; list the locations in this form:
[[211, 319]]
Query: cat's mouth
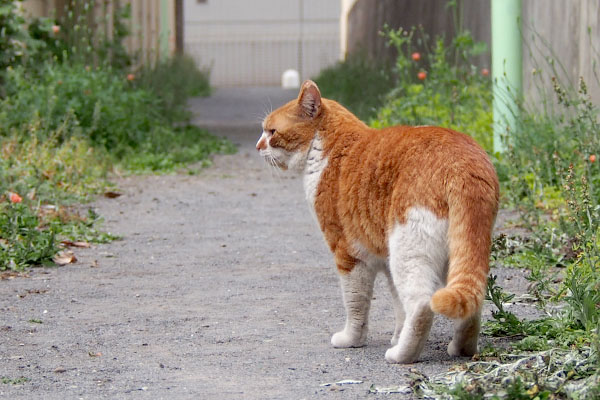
[[273, 161]]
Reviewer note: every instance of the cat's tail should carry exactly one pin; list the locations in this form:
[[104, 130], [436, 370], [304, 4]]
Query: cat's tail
[[473, 204]]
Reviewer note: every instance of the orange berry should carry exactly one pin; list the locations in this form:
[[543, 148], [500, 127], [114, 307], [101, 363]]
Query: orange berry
[[485, 72], [416, 56], [130, 77], [14, 198], [55, 29], [593, 158], [422, 75]]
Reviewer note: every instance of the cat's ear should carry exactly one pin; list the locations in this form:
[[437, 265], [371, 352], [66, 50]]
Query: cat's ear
[[309, 99]]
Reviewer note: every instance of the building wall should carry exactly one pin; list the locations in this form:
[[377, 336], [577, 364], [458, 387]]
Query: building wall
[[249, 43]]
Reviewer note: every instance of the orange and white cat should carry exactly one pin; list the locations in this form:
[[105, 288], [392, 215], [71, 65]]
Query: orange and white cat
[[416, 203]]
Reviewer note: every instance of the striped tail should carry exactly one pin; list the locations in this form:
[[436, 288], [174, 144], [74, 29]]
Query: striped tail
[[473, 204]]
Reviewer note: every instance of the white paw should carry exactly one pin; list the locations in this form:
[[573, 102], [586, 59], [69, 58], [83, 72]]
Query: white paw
[[396, 356], [344, 340], [453, 349], [467, 350], [395, 339]]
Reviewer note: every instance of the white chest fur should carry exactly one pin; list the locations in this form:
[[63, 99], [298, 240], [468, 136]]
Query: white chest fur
[[315, 165]]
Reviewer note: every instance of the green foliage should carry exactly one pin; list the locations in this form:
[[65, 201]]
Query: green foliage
[[560, 198], [11, 39], [358, 83], [172, 82], [175, 148], [23, 244], [550, 143], [69, 112], [79, 36], [76, 100], [14, 381], [30, 233], [49, 171], [129, 121], [438, 87]]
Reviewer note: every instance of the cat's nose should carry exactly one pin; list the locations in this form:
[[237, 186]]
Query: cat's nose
[[261, 144]]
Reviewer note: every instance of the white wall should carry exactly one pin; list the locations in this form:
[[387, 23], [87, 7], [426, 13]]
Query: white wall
[[251, 42]]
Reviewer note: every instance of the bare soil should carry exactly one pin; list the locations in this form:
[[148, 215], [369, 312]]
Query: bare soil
[[221, 288]]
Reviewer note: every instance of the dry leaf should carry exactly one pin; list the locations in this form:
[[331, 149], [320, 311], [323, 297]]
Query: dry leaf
[[69, 243], [64, 258], [112, 195], [12, 275]]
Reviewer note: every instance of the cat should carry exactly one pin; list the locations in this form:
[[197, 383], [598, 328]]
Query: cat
[[415, 203]]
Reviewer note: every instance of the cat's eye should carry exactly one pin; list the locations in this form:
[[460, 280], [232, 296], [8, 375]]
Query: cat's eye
[[272, 131]]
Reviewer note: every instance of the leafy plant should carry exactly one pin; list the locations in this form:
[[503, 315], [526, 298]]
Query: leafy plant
[[71, 113], [14, 381], [12, 37], [176, 148], [358, 83], [439, 86], [81, 36], [172, 82], [23, 244]]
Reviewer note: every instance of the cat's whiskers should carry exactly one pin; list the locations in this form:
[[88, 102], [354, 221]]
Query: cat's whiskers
[[271, 164], [275, 170]]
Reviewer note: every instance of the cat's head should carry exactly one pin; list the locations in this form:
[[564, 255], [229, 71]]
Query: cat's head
[[289, 130]]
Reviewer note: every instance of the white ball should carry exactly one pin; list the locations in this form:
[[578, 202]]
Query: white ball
[[290, 79]]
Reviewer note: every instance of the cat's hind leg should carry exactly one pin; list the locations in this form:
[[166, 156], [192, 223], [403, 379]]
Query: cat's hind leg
[[418, 260], [357, 291], [466, 333], [398, 308], [414, 333]]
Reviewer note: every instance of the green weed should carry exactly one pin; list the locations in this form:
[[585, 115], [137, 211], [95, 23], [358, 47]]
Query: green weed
[[23, 244], [14, 381], [175, 149], [172, 82], [70, 111], [439, 86], [358, 83]]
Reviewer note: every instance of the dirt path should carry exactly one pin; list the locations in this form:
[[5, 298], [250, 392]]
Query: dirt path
[[221, 288]]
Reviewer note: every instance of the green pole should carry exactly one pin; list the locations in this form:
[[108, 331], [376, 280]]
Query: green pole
[[507, 66], [164, 29]]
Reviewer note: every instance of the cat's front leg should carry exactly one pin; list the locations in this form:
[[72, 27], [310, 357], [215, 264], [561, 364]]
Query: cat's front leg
[[357, 291]]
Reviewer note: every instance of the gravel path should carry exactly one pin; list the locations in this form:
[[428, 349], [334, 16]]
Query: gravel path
[[222, 287]]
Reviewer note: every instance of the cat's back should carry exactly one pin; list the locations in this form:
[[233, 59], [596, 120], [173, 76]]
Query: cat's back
[[389, 171], [416, 155], [426, 144]]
